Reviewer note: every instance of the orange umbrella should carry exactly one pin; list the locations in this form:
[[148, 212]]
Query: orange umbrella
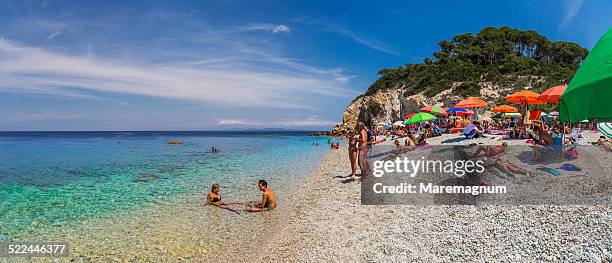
[[525, 97], [471, 103], [553, 94], [504, 108]]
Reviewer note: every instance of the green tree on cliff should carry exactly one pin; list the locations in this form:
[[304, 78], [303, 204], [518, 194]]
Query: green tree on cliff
[[492, 54]]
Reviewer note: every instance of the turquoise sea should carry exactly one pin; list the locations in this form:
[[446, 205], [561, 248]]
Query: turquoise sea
[[52, 180]]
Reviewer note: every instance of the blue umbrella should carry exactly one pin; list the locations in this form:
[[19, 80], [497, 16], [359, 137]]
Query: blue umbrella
[[453, 110]]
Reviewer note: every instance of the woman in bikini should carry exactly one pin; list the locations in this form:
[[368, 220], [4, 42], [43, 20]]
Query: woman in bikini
[[351, 138], [362, 148], [214, 198], [490, 151]]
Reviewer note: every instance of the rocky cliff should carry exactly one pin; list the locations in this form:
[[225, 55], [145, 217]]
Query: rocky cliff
[[390, 105]]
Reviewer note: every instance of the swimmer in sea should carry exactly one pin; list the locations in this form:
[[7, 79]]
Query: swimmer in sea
[[268, 198], [214, 198]]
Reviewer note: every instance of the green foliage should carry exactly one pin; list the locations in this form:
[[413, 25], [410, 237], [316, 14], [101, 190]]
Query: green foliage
[[467, 89], [492, 54]]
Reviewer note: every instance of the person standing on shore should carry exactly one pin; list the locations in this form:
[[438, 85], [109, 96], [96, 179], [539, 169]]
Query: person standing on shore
[[352, 151], [362, 148]]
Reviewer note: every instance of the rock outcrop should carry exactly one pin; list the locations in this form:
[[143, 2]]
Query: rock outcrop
[[388, 106]]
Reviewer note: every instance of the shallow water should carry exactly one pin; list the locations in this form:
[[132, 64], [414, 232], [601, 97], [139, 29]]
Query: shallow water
[[51, 183]]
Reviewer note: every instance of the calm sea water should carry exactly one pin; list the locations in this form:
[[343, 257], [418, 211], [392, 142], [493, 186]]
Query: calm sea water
[[55, 179]]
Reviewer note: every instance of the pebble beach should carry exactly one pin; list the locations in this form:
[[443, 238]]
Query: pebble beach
[[328, 223]]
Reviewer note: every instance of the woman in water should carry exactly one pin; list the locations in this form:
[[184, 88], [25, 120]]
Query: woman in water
[[352, 151], [214, 198]]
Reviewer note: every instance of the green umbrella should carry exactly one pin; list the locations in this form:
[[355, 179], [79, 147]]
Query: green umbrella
[[437, 110], [589, 94], [420, 117]]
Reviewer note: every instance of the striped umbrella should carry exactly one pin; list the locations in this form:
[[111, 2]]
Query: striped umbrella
[[605, 128]]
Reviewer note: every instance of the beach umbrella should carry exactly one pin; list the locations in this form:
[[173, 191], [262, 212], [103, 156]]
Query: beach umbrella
[[420, 117], [465, 113], [504, 108], [589, 94], [605, 128], [399, 123], [471, 103], [437, 110], [454, 110], [525, 97], [512, 114], [553, 94], [409, 115]]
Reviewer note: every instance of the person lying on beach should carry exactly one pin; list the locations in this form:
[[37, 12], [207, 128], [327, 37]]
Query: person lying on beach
[[268, 198], [605, 143], [214, 198], [490, 151], [399, 148], [509, 167]]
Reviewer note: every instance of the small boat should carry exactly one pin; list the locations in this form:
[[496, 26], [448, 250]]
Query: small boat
[[175, 142]]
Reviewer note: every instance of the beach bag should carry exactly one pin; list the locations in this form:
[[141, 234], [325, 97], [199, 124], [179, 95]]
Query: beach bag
[[571, 153], [570, 167]]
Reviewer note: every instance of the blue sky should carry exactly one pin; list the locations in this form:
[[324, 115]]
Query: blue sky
[[209, 65]]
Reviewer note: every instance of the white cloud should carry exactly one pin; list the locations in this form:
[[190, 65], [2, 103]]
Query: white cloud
[[330, 26], [571, 8], [235, 122], [36, 70], [307, 122], [54, 35], [373, 44], [272, 28]]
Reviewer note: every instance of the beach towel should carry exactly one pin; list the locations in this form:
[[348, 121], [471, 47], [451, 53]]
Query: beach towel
[[552, 171], [497, 132], [570, 167]]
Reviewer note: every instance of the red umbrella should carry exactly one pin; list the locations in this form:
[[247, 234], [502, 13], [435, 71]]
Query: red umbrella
[[409, 115], [465, 113], [553, 94]]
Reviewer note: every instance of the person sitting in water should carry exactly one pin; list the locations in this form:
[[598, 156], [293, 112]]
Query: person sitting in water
[[214, 198], [268, 198], [490, 151]]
